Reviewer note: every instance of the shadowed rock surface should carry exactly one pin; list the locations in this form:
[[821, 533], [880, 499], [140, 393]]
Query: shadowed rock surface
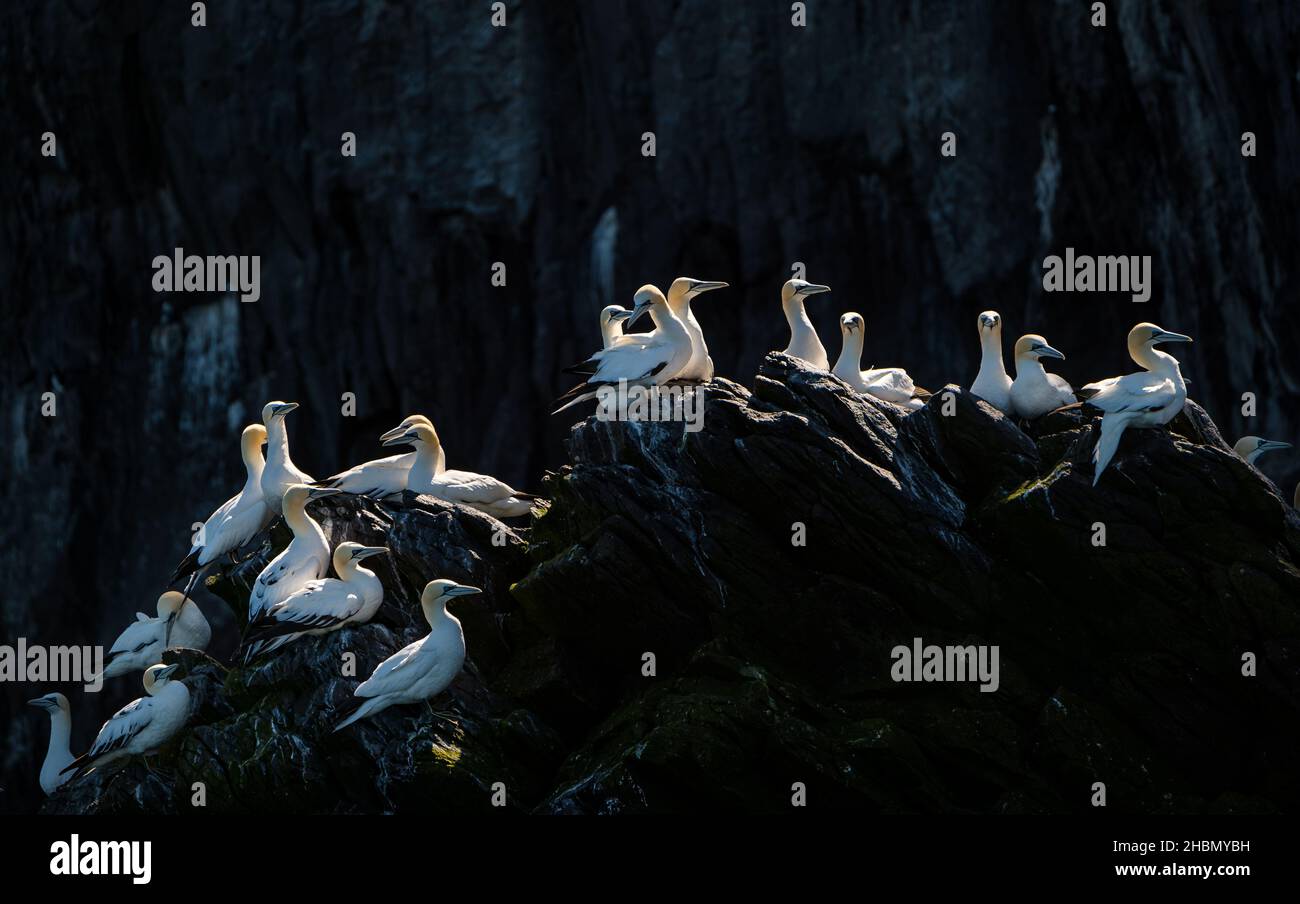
[[1119, 663]]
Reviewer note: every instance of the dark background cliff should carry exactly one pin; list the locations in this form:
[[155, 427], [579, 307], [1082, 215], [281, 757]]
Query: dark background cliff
[[522, 145]]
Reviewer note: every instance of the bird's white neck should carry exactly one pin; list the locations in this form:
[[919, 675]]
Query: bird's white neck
[[850, 359], [991, 351], [60, 734], [435, 613], [298, 520], [1030, 368], [429, 461], [666, 322], [1154, 360], [253, 462], [277, 441]]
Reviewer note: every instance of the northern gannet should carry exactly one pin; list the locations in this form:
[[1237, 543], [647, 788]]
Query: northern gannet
[[645, 359], [180, 623], [1150, 398], [382, 477], [305, 559], [803, 335], [280, 472], [1035, 392], [58, 756], [143, 725], [422, 669], [479, 491], [324, 605], [238, 520], [700, 366], [1252, 447], [992, 383], [892, 384], [612, 318]]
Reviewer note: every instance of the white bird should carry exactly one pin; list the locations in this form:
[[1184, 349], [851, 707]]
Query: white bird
[[238, 520], [58, 755], [1252, 447], [478, 491], [1150, 398], [700, 366], [143, 725], [422, 669], [892, 384], [180, 623], [992, 383], [280, 472], [324, 605], [1035, 392], [306, 558], [612, 318], [644, 359], [382, 477], [803, 335]]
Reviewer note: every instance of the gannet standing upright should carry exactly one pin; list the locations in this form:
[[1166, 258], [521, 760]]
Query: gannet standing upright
[[280, 472], [700, 366], [382, 477], [891, 384], [143, 725], [478, 491], [1035, 392], [612, 318], [420, 670], [324, 605], [180, 623], [644, 359], [1150, 398], [803, 335], [306, 558], [58, 756], [238, 520], [1252, 447], [992, 383]]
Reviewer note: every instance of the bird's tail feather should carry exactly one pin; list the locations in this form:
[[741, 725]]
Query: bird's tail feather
[[357, 708], [1111, 430], [187, 565]]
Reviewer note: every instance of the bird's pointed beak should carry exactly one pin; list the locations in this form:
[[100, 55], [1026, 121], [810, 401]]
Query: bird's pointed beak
[[708, 286], [389, 434], [637, 311], [39, 702], [167, 672], [1269, 445], [366, 552], [1163, 336], [1046, 351], [399, 439], [286, 407], [616, 316], [463, 590], [813, 289]]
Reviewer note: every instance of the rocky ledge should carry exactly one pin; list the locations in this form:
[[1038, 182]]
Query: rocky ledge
[[764, 569]]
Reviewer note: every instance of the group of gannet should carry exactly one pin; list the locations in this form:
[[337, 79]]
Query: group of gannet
[[293, 596]]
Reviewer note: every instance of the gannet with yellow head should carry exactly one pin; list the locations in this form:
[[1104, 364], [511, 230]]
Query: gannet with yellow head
[[143, 725], [478, 491], [892, 384], [1035, 392], [422, 669], [180, 623], [58, 755], [700, 366], [280, 472], [992, 383], [322, 606], [306, 558], [804, 342], [1252, 447], [1151, 398], [612, 320], [382, 477]]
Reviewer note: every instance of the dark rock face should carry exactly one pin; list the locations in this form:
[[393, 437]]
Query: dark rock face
[[1119, 663], [522, 145]]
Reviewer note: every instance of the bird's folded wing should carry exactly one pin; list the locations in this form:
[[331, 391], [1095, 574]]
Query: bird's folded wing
[[396, 673], [138, 635], [122, 726], [1135, 392], [322, 604], [465, 486], [892, 383]]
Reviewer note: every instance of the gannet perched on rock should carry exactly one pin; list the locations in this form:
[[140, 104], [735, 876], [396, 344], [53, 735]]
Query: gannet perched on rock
[[891, 384], [324, 605], [478, 491], [644, 359], [143, 725], [700, 366], [803, 335], [1150, 398], [180, 623], [612, 318], [1035, 392], [58, 756], [305, 559], [1252, 447], [421, 670], [238, 520], [280, 472], [382, 477], [992, 383]]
